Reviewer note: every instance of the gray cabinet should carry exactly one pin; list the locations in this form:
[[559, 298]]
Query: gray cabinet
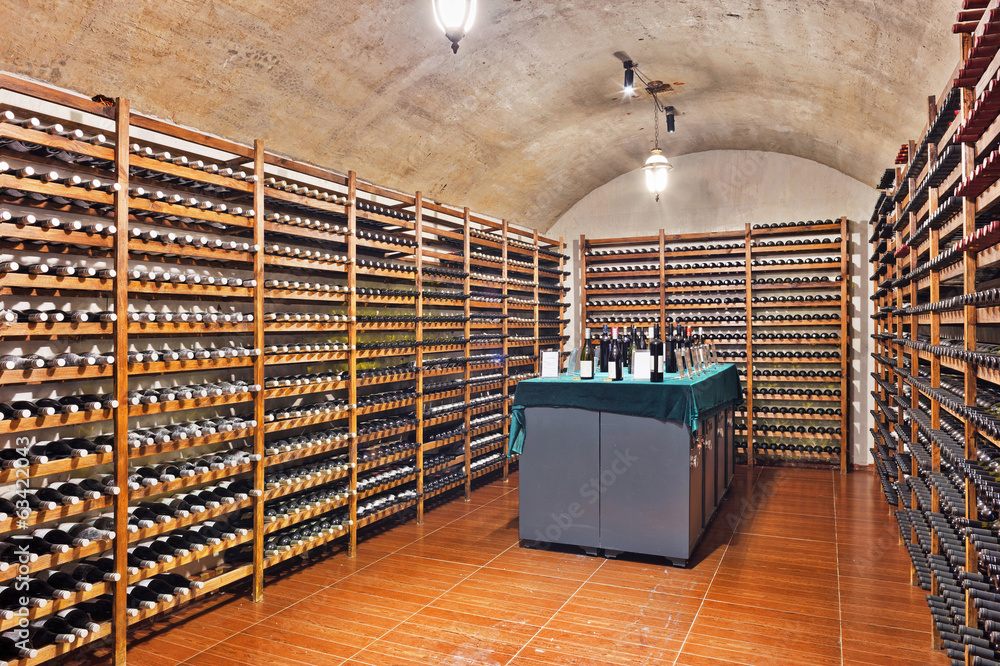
[[600, 480]]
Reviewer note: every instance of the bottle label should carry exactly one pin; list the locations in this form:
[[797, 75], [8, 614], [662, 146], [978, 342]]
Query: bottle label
[[659, 365], [614, 370], [587, 369]]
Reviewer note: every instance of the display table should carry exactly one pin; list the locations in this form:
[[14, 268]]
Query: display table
[[624, 466]]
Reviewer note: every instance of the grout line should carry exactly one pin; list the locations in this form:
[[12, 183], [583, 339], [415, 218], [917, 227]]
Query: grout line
[[787, 538], [718, 566], [558, 610], [342, 578], [836, 543]]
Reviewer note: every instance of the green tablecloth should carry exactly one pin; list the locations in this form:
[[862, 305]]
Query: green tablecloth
[[676, 399]]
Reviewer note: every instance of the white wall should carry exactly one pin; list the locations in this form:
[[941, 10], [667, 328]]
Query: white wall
[[725, 190]]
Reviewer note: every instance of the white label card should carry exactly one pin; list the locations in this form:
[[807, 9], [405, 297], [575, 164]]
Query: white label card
[[641, 366], [550, 364]]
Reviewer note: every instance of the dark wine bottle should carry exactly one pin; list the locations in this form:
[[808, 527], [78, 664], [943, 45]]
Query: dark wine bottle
[[615, 362], [605, 350], [656, 354]]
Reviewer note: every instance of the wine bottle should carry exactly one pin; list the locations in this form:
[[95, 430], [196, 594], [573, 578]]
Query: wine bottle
[[56, 406], [39, 636], [142, 599], [605, 350], [161, 587], [13, 413], [15, 599], [101, 609], [63, 581], [179, 582], [74, 617], [656, 354], [615, 362], [12, 647], [587, 357], [58, 538], [88, 573], [12, 362]]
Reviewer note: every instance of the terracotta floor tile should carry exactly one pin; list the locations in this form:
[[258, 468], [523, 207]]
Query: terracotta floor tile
[[478, 647], [385, 653], [143, 655], [571, 565], [791, 525], [330, 635], [568, 647]]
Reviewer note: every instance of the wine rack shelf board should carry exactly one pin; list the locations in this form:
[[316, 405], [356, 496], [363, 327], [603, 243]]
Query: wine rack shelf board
[[739, 266], [275, 325]]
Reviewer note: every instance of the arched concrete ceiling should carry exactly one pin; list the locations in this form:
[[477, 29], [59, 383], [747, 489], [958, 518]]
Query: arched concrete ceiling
[[527, 118]]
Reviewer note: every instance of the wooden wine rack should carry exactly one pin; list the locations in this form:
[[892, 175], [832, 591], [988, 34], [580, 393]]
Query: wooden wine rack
[[502, 271], [737, 256], [931, 242]]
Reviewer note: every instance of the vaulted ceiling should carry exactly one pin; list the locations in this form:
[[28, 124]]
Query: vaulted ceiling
[[528, 117]]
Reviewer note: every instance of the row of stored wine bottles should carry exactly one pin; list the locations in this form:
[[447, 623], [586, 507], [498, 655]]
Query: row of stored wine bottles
[[328, 306], [756, 318], [934, 437]]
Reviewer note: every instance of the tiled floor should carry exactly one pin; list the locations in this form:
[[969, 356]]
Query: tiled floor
[[799, 567]]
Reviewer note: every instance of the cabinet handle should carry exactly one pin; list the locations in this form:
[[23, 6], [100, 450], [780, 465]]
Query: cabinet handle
[[694, 460]]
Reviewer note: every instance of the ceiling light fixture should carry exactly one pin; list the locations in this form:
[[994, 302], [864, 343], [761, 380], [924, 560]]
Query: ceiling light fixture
[[629, 78], [657, 168], [455, 18]]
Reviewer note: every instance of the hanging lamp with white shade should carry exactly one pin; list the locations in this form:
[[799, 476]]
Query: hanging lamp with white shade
[[657, 167], [455, 18]]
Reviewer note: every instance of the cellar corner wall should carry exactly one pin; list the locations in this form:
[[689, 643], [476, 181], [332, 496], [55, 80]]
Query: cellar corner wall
[[725, 190]]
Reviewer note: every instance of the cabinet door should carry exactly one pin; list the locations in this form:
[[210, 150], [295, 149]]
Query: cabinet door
[[722, 455], [731, 446], [559, 477], [706, 435], [650, 495]]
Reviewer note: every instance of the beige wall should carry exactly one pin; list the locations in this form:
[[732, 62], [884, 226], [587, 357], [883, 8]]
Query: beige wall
[[724, 190]]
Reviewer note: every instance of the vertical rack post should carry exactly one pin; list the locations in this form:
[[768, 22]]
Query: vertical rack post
[[562, 343], [352, 357], [418, 203], [748, 272], [119, 607], [584, 294], [258, 373], [538, 360], [935, 296], [845, 347], [663, 283], [935, 332], [504, 329], [467, 281], [969, 321]]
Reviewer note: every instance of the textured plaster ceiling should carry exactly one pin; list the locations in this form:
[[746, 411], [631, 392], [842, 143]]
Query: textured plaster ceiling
[[528, 117]]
